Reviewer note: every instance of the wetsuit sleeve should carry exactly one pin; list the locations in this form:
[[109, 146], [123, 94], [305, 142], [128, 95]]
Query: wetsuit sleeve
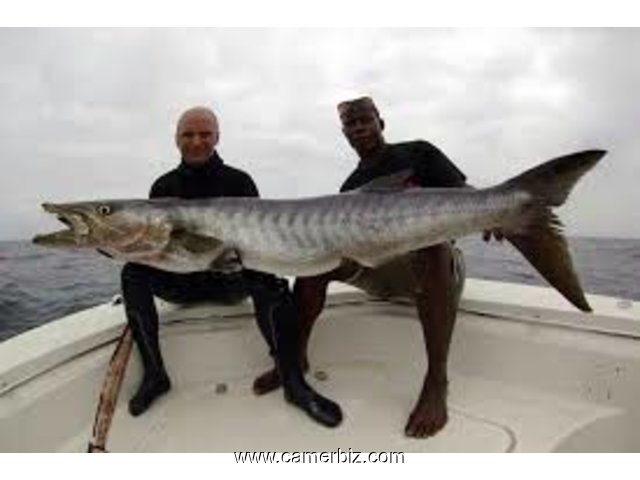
[[249, 187], [161, 188], [242, 185], [434, 169]]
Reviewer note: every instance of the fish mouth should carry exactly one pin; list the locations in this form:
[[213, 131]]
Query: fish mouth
[[76, 234]]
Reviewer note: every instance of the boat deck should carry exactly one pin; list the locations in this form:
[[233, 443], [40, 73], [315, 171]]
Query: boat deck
[[528, 385], [485, 417]]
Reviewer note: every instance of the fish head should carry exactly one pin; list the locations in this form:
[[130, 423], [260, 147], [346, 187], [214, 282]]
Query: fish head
[[115, 226]]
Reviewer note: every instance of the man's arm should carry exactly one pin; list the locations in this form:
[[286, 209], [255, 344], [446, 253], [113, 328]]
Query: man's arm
[[244, 186], [161, 188], [435, 169]]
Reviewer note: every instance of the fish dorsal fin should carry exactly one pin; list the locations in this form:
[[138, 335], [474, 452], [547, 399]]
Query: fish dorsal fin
[[393, 182]]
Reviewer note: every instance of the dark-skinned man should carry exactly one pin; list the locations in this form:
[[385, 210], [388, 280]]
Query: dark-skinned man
[[432, 276]]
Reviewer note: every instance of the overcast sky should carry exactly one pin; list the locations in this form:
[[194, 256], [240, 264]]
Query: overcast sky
[[88, 114]]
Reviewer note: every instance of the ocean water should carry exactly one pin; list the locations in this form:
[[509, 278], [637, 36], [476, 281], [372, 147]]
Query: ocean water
[[38, 285]]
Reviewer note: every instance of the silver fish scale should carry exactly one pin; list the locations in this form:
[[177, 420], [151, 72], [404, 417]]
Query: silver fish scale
[[273, 229], [366, 226]]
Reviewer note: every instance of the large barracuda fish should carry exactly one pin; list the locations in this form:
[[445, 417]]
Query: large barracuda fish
[[309, 236]]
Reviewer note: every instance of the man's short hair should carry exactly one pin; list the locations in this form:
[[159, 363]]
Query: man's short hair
[[357, 105]]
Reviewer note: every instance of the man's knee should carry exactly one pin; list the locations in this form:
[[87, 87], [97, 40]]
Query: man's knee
[[132, 272], [137, 282], [312, 283], [441, 250], [264, 284], [269, 294], [309, 291]]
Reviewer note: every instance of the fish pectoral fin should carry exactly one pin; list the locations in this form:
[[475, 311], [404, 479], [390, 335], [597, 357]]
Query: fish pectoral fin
[[196, 243], [228, 261]]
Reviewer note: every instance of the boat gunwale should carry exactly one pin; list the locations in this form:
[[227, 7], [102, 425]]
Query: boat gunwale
[[38, 351]]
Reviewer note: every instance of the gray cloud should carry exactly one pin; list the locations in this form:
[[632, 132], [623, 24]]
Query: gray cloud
[[90, 113]]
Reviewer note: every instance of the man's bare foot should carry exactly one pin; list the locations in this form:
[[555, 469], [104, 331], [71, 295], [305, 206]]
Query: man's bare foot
[[267, 382], [429, 415]]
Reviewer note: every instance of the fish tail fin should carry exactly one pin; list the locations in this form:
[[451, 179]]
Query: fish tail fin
[[552, 182], [537, 232], [547, 251]]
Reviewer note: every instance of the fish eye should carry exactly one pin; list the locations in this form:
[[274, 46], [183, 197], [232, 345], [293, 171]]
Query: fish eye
[[104, 209]]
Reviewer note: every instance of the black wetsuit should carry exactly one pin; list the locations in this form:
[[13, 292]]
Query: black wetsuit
[[213, 179], [272, 298], [140, 283], [431, 167]]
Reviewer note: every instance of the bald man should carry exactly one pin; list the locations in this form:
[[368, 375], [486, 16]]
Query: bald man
[[201, 174]]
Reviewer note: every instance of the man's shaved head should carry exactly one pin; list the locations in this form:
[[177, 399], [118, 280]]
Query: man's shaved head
[[197, 134], [197, 112]]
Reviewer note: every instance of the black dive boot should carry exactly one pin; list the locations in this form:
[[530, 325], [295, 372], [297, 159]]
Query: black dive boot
[[276, 316], [156, 380]]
